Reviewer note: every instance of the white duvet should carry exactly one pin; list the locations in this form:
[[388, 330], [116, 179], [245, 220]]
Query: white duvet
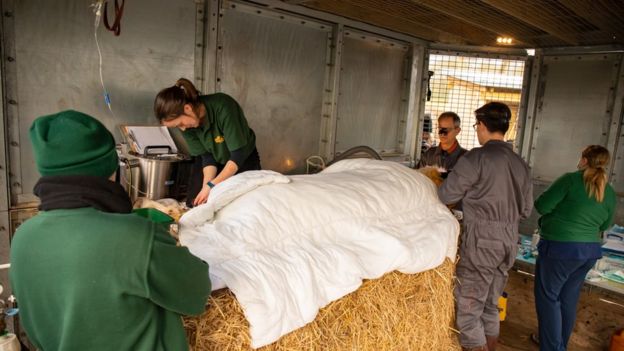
[[288, 245]]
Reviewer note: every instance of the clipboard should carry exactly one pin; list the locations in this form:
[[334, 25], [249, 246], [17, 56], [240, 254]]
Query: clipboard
[[149, 139]]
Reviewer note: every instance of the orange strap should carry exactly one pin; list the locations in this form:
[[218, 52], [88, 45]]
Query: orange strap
[[452, 148]]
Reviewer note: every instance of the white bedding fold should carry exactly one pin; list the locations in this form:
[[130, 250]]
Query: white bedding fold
[[289, 245]]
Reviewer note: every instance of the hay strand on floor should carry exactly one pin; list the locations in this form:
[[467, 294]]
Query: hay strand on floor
[[395, 312]]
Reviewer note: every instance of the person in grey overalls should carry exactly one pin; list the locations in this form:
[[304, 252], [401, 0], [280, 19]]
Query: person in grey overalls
[[494, 185]]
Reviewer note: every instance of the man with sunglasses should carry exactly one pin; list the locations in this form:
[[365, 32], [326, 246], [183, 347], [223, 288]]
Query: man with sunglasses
[[446, 154], [494, 185]]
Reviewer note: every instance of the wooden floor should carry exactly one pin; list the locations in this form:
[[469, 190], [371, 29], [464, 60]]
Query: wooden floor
[[596, 321]]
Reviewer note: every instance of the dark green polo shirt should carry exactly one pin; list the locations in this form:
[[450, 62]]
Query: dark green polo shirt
[[223, 129]]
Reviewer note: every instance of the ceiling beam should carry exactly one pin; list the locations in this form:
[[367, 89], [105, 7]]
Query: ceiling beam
[[521, 11], [295, 2], [431, 19], [601, 15], [466, 13], [378, 18]]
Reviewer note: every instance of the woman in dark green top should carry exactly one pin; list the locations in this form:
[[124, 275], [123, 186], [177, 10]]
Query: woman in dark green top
[[575, 209], [216, 131]]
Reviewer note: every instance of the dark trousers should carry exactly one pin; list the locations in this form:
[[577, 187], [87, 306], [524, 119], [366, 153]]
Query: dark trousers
[[252, 163], [558, 285]]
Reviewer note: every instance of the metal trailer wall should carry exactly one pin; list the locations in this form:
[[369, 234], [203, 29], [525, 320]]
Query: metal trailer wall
[[282, 62], [275, 66], [56, 66], [372, 97], [575, 100], [4, 198], [311, 87], [50, 62], [294, 70], [284, 69]]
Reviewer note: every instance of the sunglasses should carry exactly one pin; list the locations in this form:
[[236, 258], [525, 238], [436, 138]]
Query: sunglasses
[[444, 131]]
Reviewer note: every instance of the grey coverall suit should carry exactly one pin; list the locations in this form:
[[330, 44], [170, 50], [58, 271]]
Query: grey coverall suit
[[494, 185]]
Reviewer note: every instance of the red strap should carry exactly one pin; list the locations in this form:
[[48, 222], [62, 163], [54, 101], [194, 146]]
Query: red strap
[[116, 27]]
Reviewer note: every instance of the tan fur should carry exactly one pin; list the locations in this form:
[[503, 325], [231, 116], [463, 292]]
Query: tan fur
[[432, 173]]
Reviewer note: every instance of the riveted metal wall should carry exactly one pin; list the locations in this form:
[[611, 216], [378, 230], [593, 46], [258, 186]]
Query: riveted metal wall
[[534, 89], [522, 122], [575, 99], [275, 66], [407, 136], [419, 79], [373, 101], [330, 95], [206, 38], [4, 188], [4, 195], [4, 253], [573, 110], [56, 67], [616, 137]]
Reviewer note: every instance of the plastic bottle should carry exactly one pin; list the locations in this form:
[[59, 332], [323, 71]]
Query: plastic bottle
[[617, 341], [9, 342], [502, 306]]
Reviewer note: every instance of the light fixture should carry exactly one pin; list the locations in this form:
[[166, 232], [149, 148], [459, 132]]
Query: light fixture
[[504, 40], [289, 163]]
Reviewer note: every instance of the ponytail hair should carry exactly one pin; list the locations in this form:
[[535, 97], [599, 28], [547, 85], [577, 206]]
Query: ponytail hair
[[594, 173], [169, 102]]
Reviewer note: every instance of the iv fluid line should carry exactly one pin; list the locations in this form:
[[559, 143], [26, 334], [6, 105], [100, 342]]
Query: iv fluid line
[[98, 11]]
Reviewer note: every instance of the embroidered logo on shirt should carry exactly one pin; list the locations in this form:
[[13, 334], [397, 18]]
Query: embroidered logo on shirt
[[219, 139]]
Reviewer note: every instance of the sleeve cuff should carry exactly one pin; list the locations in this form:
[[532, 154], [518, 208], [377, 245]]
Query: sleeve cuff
[[208, 160], [238, 156]]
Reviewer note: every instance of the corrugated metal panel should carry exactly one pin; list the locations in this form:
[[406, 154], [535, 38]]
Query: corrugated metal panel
[[4, 196], [57, 65], [274, 65], [372, 102], [573, 111], [616, 134]]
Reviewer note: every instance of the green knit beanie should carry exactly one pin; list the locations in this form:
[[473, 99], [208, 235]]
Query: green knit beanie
[[73, 143]]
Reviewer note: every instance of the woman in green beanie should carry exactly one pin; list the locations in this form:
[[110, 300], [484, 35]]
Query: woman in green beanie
[[216, 131], [87, 273], [575, 209]]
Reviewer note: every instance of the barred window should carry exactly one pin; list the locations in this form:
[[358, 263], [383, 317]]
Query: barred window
[[462, 84]]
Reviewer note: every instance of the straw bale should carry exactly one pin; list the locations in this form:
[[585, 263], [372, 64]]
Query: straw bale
[[395, 312]]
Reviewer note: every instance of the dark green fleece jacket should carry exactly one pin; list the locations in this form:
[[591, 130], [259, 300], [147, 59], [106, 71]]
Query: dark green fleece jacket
[[91, 280]]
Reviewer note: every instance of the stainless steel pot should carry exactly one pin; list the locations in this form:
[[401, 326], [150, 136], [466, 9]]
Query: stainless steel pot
[[129, 175], [158, 175], [153, 176]]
